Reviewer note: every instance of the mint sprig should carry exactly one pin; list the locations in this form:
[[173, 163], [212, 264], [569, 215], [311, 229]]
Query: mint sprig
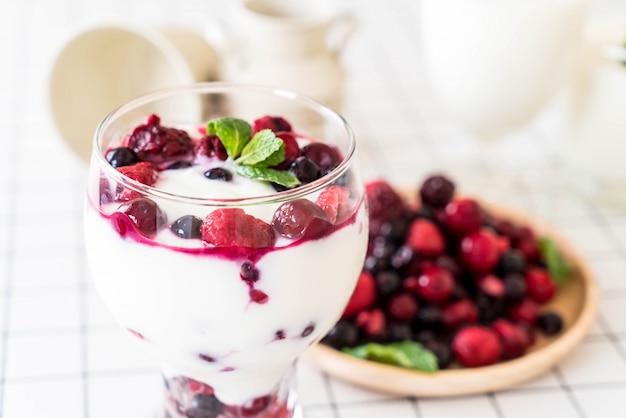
[[558, 267], [254, 155], [406, 354]]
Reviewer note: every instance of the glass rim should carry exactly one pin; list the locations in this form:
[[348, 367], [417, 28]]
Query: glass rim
[[216, 88]]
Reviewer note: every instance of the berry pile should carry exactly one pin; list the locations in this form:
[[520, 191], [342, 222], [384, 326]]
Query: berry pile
[[464, 283], [152, 148]]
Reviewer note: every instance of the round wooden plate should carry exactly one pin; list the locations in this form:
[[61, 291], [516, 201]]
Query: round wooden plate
[[576, 300]]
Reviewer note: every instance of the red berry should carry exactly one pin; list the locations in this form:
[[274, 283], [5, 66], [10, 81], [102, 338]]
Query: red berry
[[463, 216], [363, 296], [491, 285], [300, 218], [476, 346], [384, 204], [325, 156], [292, 150], [143, 172], [275, 123], [435, 284], [525, 312], [196, 388], [460, 312], [142, 214], [480, 251], [539, 285], [334, 201], [508, 229], [210, 146], [159, 144], [514, 339], [232, 227], [373, 323], [402, 306], [425, 238]]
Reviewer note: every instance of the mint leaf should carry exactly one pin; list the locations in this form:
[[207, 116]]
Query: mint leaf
[[558, 267], [233, 133], [406, 354], [265, 149], [284, 178]]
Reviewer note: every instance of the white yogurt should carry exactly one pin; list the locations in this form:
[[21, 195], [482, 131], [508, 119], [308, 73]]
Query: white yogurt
[[187, 304]]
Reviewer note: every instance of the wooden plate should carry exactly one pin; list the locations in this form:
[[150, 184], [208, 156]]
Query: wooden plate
[[576, 300]]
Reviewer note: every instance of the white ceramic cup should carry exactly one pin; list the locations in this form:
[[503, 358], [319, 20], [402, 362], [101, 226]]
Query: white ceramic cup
[[103, 65]]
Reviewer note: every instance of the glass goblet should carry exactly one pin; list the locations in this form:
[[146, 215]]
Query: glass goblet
[[226, 280]]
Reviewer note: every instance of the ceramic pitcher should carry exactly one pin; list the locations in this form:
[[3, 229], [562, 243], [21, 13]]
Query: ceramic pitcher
[[291, 44]]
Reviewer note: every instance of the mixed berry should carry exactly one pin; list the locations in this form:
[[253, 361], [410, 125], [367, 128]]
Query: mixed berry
[[447, 275]]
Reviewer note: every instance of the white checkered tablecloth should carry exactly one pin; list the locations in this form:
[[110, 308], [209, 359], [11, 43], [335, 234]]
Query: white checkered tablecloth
[[62, 355]]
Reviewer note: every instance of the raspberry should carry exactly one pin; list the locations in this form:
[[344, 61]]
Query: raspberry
[[275, 123], [480, 251], [476, 346], [539, 285], [514, 339], [142, 172], [210, 146], [525, 312], [460, 312], [373, 323], [363, 296], [491, 286], [292, 150], [527, 244], [463, 216], [234, 227], [334, 202], [158, 144], [425, 238], [384, 204], [435, 284], [402, 306]]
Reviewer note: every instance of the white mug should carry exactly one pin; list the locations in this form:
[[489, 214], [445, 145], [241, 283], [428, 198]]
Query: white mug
[[103, 65]]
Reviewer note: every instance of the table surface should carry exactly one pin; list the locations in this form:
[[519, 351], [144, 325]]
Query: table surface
[[62, 355]]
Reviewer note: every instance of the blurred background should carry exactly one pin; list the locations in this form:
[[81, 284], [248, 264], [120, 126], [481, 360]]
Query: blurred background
[[520, 102]]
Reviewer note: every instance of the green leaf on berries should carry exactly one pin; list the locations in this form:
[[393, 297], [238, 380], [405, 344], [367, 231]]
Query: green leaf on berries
[[406, 354], [284, 178], [233, 133], [558, 267], [265, 149]]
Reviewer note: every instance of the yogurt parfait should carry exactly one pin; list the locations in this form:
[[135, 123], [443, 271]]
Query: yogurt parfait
[[226, 238]]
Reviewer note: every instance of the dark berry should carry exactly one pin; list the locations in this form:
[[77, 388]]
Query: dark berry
[[179, 165], [550, 323], [187, 227], [343, 334], [248, 272], [511, 261], [218, 173], [305, 170], [514, 287], [423, 336], [388, 282], [384, 204], [399, 331], [322, 155], [144, 214], [437, 191], [300, 218], [203, 406], [308, 330], [450, 264], [394, 230], [442, 351], [426, 212], [428, 316], [121, 157], [211, 146], [403, 257], [383, 248]]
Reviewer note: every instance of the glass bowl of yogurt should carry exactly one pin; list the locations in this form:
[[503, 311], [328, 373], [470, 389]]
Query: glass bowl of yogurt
[[225, 229]]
